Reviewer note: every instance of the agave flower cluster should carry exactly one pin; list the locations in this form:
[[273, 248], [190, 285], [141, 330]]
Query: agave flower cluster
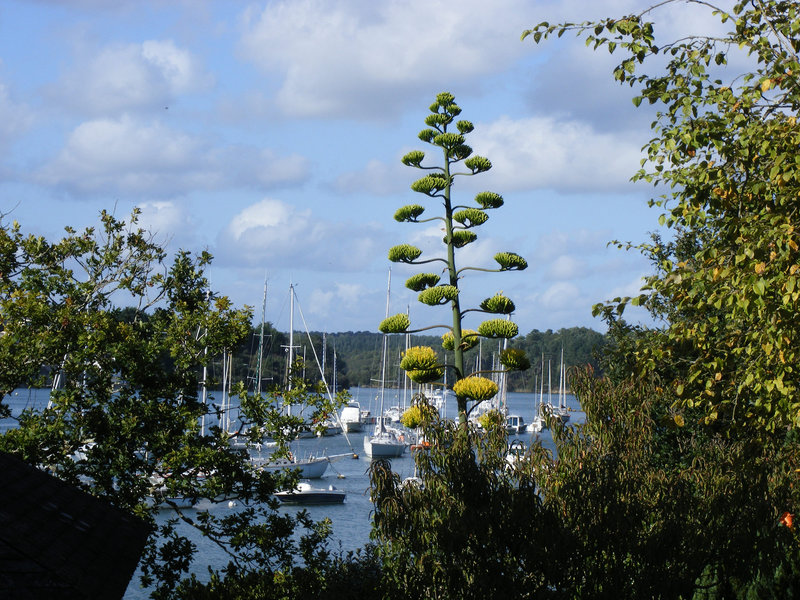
[[447, 134]]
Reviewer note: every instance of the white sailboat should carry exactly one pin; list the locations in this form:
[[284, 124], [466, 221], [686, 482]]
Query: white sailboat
[[384, 442], [311, 467], [539, 421], [562, 410]]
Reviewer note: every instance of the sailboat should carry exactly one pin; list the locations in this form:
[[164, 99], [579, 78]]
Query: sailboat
[[562, 411], [310, 467], [539, 421], [384, 442]]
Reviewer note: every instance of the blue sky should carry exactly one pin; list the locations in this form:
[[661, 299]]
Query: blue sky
[[270, 133]]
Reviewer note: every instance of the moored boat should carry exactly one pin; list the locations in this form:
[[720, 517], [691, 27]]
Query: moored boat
[[305, 494]]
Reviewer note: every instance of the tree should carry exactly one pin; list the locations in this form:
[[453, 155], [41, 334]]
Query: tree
[[724, 146], [421, 363], [649, 509], [125, 409], [469, 526]]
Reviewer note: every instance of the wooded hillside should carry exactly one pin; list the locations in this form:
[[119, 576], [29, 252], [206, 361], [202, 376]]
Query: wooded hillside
[[358, 355]]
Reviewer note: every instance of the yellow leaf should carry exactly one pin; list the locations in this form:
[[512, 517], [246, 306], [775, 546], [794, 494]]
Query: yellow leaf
[[793, 269], [718, 376], [760, 268], [766, 84], [793, 245]]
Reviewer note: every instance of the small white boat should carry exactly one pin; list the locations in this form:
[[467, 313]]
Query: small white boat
[[538, 424], [393, 414], [350, 417], [305, 494], [515, 424]]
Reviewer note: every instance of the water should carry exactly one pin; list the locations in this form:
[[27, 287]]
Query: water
[[351, 520]]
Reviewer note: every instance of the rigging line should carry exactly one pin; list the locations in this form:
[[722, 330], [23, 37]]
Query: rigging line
[[322, 375]]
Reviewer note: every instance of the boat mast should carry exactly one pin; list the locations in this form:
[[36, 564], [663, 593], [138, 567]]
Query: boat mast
[[384, 352], [261, 340]]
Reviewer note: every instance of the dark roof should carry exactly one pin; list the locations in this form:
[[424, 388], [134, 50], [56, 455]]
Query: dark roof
[[59, 542]]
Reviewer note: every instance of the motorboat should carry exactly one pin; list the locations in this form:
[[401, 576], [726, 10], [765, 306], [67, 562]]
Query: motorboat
[[303, 493], [515, 424], [351, 417]]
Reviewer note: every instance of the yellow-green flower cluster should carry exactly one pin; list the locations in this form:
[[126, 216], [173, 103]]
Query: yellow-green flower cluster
[[421, 364], [475, 388], [469, 339], [498, 328]]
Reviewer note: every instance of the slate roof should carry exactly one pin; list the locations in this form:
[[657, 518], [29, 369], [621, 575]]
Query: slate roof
[[60, 543]]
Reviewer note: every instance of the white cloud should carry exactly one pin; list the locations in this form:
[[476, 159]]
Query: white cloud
[[359, 57], [129, 156], [125, 77], [171, 223], [377, 178], [344, 298], [271, 232], [566, 267], [549, 153]]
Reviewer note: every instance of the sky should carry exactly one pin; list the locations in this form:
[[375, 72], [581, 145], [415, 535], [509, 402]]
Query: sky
[[270, 134]]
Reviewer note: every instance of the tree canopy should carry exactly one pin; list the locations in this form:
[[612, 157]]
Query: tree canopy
[[724, 148]]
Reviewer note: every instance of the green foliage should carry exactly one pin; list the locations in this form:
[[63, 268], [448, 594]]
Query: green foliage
[[628, 505], [649, 507], [469, 530], [125, 412], [724, 145], [459, 221]]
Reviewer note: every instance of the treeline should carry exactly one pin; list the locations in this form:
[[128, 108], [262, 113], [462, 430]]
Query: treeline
[[357, 356]]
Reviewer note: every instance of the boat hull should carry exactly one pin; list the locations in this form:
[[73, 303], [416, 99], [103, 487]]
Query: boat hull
[[312, 468], [379, 447], [305, 494]]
